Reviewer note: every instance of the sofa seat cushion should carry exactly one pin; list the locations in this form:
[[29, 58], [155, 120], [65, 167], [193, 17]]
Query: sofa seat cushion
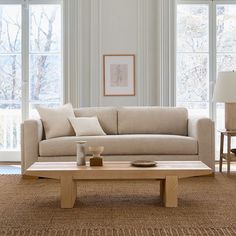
[[139, 144]]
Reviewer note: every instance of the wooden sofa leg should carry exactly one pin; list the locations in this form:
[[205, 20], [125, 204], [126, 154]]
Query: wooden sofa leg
[[211, 175], [29, 177]]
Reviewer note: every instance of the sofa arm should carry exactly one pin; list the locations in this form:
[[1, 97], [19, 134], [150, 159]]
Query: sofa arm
[[31, 135], [203, 130]]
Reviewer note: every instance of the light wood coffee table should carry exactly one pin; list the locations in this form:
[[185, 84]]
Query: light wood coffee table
[[168, 172]]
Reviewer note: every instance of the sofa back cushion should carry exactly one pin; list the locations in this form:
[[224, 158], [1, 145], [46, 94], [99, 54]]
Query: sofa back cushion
[[152, 120], [107, 117], [56, 120]]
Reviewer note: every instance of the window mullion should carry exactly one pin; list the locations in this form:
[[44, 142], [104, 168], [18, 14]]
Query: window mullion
[[214, 62], [25, 61], [211, 58]]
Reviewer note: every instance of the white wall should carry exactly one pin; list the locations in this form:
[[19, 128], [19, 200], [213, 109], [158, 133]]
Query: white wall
[[117, 27]]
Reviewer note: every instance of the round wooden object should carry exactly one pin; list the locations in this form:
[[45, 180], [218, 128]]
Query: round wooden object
[[142, 163], [233, 151]]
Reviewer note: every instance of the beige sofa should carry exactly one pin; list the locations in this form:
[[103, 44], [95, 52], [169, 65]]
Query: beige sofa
[[152, 133]]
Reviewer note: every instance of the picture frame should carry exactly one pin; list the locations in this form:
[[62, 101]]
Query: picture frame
[[119, 75]]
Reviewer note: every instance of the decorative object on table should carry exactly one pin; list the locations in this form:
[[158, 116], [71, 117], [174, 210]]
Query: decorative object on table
[[96, 159], [233, 150], [119, 75], [143, 163], [81, 155], [225, 92]]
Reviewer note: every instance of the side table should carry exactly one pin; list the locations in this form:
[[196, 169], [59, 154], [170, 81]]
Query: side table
[[228, 156]]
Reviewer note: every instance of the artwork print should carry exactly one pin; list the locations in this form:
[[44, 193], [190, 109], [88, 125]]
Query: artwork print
[[119, 75]]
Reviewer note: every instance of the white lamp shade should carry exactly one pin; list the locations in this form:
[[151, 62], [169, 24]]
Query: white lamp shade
[[225, 87]]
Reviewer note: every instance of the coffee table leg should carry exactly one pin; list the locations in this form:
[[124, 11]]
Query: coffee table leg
[[169, 191], [162, 190], [68, 192]]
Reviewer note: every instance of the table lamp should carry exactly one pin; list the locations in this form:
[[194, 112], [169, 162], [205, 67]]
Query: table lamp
[[225, 91]]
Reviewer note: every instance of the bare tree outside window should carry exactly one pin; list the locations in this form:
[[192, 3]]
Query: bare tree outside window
[[10, 49], [192, 80], [10, 76], [45, 54]]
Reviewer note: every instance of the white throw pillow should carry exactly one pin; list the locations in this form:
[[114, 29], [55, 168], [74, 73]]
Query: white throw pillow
[[87, 126], [56, 120]]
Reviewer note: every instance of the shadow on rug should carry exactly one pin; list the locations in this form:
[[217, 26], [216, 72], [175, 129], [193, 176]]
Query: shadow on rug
[[207, 206]]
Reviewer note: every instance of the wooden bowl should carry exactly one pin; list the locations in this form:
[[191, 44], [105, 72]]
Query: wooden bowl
[[143, 163], [96, 150]]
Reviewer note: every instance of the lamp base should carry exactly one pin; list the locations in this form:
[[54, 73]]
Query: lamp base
[[230, 116]]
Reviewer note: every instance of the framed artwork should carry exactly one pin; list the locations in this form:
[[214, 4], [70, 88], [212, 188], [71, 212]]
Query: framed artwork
[[119, 75]]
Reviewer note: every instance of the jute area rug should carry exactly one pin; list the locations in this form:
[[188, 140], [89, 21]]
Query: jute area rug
[[207, 206]]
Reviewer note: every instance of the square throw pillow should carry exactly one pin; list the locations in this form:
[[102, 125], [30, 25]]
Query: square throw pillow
[[56, 120], [87, 126]]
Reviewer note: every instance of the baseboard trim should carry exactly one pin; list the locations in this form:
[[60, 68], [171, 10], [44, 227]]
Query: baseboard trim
[[10, 163]]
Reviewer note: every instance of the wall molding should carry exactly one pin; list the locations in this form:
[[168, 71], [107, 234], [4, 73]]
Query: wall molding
[[80, 55], [143, 80], [93, 74], [143, 84], [95, 53], [167, 51], [71, 46]]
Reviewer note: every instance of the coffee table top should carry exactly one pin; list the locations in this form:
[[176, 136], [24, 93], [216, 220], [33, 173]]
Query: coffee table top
[[119, 170]]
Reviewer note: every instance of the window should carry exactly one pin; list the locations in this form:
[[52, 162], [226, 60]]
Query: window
[[192, 59], [203, 48], [30, 63]]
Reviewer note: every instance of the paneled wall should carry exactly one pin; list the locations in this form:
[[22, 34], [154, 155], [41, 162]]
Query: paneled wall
[[112, 27]]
